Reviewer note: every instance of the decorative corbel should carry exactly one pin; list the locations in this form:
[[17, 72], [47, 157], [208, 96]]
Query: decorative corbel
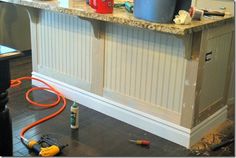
[[187, 44], [34, 14]]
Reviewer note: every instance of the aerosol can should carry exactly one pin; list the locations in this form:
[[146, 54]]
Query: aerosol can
[[74, 116]]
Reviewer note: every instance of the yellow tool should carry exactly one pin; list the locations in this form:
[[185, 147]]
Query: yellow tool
[[45, 147]]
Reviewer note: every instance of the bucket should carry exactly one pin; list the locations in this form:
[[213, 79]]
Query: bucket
[[161, 11]]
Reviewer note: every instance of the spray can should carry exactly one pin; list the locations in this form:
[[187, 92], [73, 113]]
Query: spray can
[[74, 116]]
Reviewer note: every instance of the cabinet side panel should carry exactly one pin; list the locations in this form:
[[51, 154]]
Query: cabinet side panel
[[214, 72]]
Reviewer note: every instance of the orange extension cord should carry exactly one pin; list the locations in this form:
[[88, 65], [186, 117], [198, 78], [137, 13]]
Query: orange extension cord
[[17, 82]]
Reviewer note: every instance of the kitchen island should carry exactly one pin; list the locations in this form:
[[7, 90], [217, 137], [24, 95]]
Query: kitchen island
[[170, 80]]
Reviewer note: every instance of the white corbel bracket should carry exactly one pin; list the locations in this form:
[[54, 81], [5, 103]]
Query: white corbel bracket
[[187, 44], [98, 27], [34, 14]]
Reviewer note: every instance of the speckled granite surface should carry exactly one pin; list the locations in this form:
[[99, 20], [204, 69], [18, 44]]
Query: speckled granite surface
[[120, 16]]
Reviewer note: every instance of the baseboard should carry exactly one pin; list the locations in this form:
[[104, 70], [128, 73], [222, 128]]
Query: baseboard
[[149, 123], [211, 122]]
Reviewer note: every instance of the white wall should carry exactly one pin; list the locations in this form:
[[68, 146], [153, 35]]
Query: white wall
[[14, 27]]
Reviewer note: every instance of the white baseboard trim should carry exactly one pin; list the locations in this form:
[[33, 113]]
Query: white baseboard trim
[[211, 122], [165, 129]]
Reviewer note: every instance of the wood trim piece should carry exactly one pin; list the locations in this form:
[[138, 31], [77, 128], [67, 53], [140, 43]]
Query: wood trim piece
[[202, 50], [196, 43], [190, 86], [98, 54], [209, 123], [187, 114], [230, 69], [34, 15], [212, 108], [188, 40]]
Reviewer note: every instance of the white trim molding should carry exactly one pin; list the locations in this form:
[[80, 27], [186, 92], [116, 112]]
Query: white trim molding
[[162, 128], [205, 126]]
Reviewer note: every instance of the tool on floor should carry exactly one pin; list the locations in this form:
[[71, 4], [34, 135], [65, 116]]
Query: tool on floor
[[52, 149], [141, 142], [222, 144], [129, 6], [46, 146], [74, 116]]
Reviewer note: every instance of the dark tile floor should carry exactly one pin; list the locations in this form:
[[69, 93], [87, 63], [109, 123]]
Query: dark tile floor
[[98, 134]]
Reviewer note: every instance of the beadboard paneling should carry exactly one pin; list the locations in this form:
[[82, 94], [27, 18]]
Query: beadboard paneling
[[146, 65], [64, 44]]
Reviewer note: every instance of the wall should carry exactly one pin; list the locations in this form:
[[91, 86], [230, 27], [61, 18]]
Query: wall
[[15, 27]]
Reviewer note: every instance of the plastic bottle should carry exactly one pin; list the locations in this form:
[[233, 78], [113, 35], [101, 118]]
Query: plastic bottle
[[74, 116]]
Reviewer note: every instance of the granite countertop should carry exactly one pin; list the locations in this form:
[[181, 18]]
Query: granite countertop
[[120, 16]]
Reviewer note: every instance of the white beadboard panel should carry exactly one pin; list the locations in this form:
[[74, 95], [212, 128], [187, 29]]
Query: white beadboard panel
[[149, 66], [64, 44], [64, 78], [140, 105]]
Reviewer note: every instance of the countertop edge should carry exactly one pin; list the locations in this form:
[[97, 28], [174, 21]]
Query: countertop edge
[[179, 30]]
